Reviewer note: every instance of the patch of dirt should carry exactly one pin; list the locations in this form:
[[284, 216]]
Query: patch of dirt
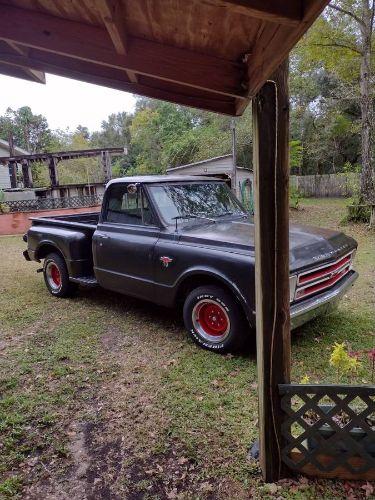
[[119, 450]]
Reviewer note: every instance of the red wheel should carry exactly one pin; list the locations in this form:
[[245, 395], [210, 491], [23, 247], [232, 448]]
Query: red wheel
[[53, 275], [211, 320], [214, 319], [56, 276]]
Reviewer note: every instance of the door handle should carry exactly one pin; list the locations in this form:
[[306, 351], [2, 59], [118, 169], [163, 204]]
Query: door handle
[[103, 237]]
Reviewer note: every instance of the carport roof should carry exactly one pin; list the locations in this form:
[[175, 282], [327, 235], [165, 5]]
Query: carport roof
[[210, 54]]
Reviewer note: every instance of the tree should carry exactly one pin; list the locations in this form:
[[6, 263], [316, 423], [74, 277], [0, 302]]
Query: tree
[[29, 131], [343, 37]]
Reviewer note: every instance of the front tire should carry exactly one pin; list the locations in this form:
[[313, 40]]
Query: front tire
[[214, 319], [56, 276]]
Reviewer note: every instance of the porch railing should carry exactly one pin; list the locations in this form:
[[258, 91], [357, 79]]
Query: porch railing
[[52, 203]]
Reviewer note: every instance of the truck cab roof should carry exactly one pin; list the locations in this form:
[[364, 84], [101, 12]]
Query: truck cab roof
[[150, 179]]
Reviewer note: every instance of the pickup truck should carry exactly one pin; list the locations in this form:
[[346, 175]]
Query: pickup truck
[[186, 241]]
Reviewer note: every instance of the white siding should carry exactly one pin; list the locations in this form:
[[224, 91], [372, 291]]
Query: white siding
[[4, 176], [4, 151]]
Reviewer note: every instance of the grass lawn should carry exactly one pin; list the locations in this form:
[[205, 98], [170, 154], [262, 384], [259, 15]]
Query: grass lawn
[[104, 397]]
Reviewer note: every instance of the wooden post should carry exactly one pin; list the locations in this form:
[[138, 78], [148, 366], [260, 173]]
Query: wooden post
[[234, 158], [12, 165], [26, 174], [271, 165], [53, 175], [107, 166]]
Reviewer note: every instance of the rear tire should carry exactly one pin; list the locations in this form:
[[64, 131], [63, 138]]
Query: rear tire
[[214, 320], [56, 276]]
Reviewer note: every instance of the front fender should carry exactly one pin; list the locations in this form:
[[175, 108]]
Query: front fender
[[217, 276]]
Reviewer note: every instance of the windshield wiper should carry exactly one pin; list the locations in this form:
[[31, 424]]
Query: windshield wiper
[[192, 216], [223, 214]]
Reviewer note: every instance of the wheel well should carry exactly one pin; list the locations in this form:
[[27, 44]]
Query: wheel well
[[198, 280], [46, 249]]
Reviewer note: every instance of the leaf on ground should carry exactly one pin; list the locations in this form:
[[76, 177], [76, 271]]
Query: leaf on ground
[[368, 489]]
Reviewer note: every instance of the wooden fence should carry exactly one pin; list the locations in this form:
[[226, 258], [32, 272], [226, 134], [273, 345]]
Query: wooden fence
[[326, 186]]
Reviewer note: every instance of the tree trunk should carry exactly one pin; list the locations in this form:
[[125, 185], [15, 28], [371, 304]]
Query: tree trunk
[[367, 175]]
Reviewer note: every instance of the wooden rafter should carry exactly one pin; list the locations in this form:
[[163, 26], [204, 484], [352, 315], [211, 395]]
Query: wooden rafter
[[113, 78], [111, 12], [91, 43], [113, 16], [34, 74], [10, 70], [288, 12]]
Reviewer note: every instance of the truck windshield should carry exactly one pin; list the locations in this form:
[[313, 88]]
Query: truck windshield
[[211, 200]]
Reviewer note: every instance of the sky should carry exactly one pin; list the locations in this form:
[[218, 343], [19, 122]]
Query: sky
[[64, 102]]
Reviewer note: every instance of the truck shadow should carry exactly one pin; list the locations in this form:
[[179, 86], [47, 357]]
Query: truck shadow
[[167, 319]]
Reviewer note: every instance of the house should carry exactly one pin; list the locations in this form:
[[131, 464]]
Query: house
[[5, 176]]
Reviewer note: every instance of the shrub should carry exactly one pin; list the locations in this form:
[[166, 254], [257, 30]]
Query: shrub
[[294, 197]]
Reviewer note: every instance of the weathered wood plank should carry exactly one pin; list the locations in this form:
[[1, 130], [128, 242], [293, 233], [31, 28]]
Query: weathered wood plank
[[113, 16], [116, 79], [271, 162], [36, 75], [93, 44], [10, 70], [289, 12]]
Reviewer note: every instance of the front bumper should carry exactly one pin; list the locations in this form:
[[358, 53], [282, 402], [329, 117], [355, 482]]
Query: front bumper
[[319, 305]]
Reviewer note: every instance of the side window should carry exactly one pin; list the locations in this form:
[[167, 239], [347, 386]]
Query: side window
[[128, 207]]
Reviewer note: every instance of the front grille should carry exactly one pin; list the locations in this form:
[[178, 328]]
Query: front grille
[[322, 277]]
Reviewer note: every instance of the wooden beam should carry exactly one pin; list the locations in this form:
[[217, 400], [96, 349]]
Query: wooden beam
[[113, 16], [114, 78], [271, 162], [53, 174], [93, 44], [273, 46], [10, 70], [36, 75], [289, 12], [13, 174], [27, 174]]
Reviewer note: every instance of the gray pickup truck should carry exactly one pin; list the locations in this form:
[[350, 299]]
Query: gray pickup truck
[[178, 240]]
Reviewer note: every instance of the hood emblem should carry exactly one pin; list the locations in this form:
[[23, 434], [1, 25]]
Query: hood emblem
[[330, 254], [165, 261]]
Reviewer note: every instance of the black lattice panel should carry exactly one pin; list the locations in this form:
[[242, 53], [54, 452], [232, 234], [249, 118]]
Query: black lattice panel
[[52, 203], [329, 429]]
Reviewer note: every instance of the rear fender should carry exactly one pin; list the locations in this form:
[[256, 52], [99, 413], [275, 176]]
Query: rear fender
[[74, 246]]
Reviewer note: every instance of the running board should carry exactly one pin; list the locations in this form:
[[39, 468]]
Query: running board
[[88, 281]]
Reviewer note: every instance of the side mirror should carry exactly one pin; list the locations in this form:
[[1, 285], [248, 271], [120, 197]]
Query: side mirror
[[132, 188]]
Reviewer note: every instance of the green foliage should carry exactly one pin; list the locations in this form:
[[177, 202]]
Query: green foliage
[[341, 360], [358, 212], [294, 197], [10, 487], [80, 170], [296, 152], [29, 131], [3, 208]]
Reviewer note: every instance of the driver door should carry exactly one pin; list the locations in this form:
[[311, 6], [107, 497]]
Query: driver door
[[124, 242]]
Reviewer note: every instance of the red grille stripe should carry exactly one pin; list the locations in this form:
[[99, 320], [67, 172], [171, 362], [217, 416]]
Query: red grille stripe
[[309, 290], [314, 275]]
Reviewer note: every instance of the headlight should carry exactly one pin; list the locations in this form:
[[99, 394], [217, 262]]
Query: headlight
[[292, 287]]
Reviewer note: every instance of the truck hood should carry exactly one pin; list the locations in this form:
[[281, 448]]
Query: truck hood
[[307, 244]]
